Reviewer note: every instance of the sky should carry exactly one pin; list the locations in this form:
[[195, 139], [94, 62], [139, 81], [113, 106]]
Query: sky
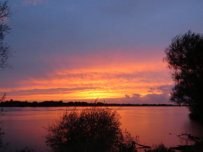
[[80, 50]]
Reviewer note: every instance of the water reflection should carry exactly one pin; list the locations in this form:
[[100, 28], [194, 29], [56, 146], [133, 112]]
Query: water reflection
[[155, 125], [25, 126]]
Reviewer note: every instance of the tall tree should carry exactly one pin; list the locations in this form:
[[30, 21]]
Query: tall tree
[[185, 58], [4, 28]]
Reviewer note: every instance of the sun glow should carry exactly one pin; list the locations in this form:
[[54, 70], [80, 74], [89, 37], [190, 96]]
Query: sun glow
[[89, 78]]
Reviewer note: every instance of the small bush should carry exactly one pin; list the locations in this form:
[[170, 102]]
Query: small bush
[[90, 130]]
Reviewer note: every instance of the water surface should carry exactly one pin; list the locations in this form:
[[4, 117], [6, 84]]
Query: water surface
[[154, 125]]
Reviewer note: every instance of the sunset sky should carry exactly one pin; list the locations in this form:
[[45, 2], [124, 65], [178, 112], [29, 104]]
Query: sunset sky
[[83, 49]]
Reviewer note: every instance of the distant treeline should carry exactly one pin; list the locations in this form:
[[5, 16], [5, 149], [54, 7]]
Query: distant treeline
[[60, 103]]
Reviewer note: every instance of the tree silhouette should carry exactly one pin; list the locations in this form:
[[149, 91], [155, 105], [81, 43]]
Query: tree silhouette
[[185, 58], [4, 28], [90, 130]]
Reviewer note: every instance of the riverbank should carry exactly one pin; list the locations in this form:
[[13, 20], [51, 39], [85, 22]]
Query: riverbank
[[60, 103]]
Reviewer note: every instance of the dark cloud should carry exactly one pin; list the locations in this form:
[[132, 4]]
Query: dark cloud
[[147, 99], [151, 90], [151, 98], [165, 88], [127, 96], [135, 95]]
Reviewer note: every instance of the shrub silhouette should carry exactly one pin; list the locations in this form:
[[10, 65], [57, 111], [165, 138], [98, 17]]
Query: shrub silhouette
[[89, 130]]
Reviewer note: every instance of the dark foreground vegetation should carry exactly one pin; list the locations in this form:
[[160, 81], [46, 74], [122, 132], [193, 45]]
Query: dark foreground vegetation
[[60, 103], [93, 129]]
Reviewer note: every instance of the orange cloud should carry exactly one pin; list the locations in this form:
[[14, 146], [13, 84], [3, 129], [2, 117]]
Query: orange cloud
[[88, 76]]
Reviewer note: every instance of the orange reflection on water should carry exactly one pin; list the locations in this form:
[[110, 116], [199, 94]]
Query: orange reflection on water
[[156, 125], [151, 124]]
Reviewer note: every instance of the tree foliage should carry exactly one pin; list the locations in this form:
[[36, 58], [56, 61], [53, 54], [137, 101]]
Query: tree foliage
[[185, 58], [90, 130], [4, 28]]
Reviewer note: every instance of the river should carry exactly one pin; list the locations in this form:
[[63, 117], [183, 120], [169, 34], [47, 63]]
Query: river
[[154, 125]]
